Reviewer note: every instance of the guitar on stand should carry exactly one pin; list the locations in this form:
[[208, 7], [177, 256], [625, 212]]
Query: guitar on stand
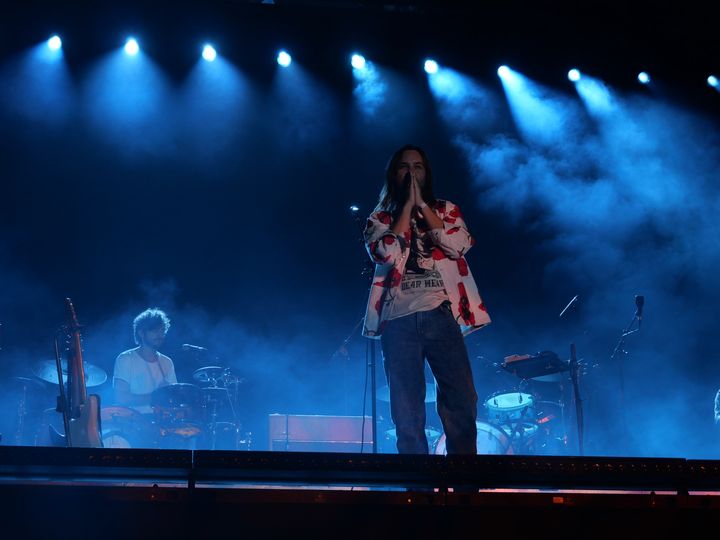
[[81, 413]]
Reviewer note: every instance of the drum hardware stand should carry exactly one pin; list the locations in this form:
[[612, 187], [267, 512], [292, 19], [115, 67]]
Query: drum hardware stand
[[563, 419], [516, 431], [232, 401], [574, 370], [21, 413], [213, 423]]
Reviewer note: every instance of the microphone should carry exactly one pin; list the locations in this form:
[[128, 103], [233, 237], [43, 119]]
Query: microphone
[[196, 348], [639, 303], [570, 304]]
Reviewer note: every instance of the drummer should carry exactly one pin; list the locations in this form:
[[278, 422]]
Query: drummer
[[142, 370]]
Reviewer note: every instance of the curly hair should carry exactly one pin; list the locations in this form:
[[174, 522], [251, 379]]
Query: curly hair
[[148, 319]]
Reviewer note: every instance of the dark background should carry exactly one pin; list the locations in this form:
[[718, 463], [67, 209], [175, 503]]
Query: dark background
[[226, 203]]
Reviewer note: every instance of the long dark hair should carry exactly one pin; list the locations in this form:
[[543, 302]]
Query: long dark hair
[[392, 195]]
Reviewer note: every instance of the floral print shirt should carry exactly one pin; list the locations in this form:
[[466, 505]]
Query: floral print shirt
[[390, 253]]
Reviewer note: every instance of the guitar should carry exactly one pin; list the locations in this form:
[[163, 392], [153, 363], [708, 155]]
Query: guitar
[[81, 413]]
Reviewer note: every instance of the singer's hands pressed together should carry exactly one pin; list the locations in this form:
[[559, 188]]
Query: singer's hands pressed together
[[411, 177]]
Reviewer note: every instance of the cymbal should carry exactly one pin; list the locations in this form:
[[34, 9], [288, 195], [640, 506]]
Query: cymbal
[[383, 394], [28, 383], [47, 371], [551, 378], [208, 374]]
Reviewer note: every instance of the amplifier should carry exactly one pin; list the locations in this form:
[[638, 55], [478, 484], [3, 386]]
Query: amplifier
[[317, 433]]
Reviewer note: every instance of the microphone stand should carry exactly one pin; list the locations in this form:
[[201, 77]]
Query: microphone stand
[[620, 349], [368, 271], [574, 366]]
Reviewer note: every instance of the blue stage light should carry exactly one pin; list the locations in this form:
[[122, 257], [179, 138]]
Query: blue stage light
[[574, 75], [712, 80], [431, 66], [54, 43], [357, 61], [643, 77], [209, 53], [132, 47], [503, 71], [284, 59]]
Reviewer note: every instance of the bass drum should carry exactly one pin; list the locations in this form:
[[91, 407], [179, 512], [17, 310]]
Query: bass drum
[[123, 427], [490, 440]]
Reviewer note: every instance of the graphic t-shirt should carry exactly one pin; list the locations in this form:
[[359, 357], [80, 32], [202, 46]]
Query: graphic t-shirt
[[422, 287]]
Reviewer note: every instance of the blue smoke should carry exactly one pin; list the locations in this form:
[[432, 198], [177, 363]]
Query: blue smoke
[[621, 205]]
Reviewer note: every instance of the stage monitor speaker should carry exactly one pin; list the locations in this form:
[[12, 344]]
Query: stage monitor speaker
[[317, 433]]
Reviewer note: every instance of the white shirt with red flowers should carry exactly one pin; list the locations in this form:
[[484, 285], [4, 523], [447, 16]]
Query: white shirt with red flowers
[[390, 252]]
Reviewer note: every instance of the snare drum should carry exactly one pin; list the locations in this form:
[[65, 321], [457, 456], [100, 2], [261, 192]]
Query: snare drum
[[177, 404], [178, 415], [510, 408]]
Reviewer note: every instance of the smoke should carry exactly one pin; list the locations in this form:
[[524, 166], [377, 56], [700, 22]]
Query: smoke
[[370, 89], [303, 112], [619, 207], [281, 368], [637, 191]]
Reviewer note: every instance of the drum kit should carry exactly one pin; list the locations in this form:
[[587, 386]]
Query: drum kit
[[184, 416], [201, 415]]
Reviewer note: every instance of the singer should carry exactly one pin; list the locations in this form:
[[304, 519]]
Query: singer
[[423, 299], [140, 371]]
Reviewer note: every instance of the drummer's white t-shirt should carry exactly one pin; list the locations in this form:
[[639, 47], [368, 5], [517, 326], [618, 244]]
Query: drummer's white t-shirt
[[143, 377]]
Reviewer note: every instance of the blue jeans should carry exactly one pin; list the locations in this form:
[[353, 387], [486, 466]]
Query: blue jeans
[[406, 343]]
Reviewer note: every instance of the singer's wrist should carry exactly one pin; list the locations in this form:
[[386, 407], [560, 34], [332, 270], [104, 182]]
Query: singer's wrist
[[422, 205]]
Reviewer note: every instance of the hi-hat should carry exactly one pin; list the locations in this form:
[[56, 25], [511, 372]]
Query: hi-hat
[[208, 374], [383, 394], [47, 371], [216, 376]]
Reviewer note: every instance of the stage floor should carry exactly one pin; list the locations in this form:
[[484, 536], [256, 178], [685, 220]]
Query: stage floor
[[110, 493]]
